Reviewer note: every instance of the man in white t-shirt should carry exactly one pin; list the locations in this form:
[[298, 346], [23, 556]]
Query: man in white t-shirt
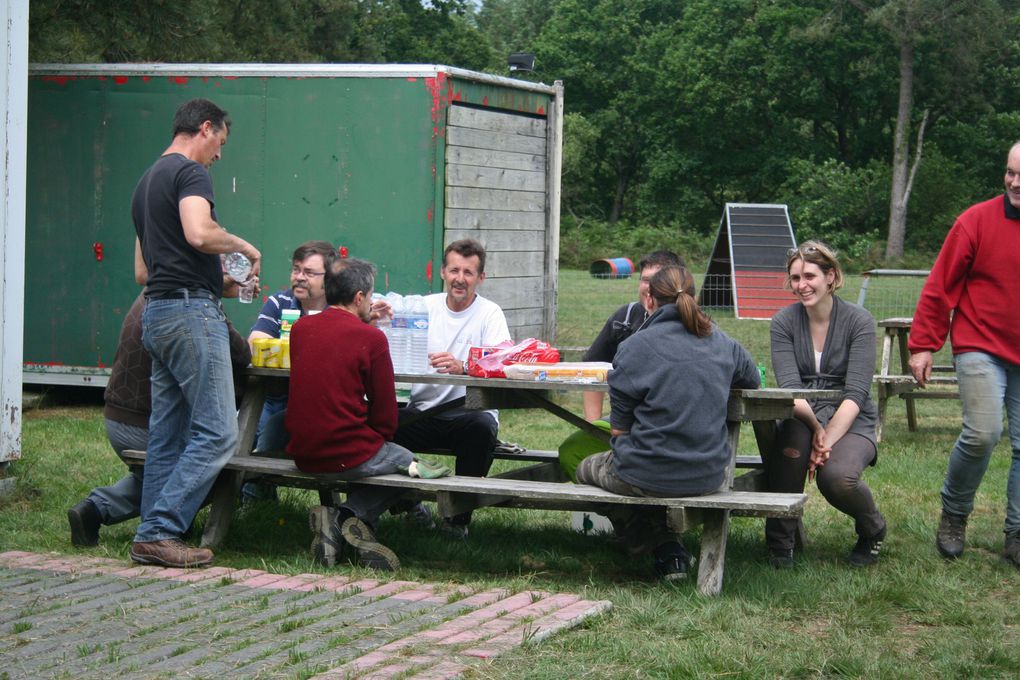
[[459, 319]]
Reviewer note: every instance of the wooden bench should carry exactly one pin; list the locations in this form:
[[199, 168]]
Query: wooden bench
[[532, 487], [903, 385]]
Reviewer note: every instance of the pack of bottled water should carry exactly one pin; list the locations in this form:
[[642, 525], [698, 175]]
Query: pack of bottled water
[[407, 332]]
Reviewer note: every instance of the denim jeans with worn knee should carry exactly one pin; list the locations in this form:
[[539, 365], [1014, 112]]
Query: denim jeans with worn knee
[[986, 384], [121, 500], [193, 426]]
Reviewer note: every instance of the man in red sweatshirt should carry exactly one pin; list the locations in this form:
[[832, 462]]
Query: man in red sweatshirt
[[342, 414], [973, 292]]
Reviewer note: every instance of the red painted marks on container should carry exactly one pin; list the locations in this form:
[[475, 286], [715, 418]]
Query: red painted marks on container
[[230, 77], [179, 80], [120, 80], [435, 87], [485, 100], [100, 77], [146, 79], [428, 215], [541, 110], [412, 79], [428, 271], [59, 80]]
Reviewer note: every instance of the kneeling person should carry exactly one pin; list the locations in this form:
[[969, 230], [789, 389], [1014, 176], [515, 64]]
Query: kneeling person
[[342, 414]]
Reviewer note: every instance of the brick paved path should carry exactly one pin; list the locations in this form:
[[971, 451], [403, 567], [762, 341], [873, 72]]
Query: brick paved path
[[82, 617]]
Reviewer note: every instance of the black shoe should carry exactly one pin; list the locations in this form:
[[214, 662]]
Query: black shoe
[[371, 553], [1012, 549], [865, 553], [673, 562], [85, 521], [952, 532], [781, 558]]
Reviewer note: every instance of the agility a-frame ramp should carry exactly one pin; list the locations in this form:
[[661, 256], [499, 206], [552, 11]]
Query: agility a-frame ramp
[[748, 264]]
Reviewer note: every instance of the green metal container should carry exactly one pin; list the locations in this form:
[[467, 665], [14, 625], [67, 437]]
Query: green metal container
[[391, 161]]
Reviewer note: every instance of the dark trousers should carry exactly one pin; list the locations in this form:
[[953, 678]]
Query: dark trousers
[[469, 434], [839, 480]]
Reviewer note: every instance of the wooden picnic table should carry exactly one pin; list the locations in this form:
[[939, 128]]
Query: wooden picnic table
[[888, 384], [762, 407], [536, 486]]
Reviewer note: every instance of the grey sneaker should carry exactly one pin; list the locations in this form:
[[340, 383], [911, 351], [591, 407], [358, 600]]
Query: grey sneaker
[[1012, 549], [951, 533], [327, 545], [371, 553], [420, 516]]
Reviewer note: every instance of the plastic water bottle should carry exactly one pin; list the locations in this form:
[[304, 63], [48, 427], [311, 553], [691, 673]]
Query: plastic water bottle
[[237, 266], [398, 333], [383, 322], [418, 334]]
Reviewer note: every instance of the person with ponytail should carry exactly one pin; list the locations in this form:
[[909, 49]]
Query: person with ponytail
[[822, 342], [668, 392]]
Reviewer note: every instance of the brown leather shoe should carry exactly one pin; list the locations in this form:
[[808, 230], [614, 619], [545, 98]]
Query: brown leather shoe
[[170, 552]]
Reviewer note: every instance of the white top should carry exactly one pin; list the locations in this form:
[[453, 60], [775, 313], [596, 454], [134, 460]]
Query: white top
[[481, 324], [818, 362]]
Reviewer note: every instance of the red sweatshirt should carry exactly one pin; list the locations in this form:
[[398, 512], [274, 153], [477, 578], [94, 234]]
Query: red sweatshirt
[[977, 277], [342, 405]]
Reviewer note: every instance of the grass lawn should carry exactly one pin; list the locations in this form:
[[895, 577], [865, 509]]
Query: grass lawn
[[913, 615]]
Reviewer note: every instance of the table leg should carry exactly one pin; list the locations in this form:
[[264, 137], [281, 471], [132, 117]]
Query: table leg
[[902, 335], [713, 550], [228, 484]]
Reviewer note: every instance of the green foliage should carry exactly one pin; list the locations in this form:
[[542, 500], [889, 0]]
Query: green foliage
[[584, 241]]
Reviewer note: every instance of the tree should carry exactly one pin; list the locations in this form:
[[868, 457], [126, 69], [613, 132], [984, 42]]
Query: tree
[[964, 30]]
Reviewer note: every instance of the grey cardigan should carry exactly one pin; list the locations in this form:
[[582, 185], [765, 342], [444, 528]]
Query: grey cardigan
[[848, 360]]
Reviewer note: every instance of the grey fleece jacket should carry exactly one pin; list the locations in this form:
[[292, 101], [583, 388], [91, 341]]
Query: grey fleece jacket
[[669, 390]]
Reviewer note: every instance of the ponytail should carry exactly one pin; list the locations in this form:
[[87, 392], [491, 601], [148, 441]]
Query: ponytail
[[694, 320], [676, 285]]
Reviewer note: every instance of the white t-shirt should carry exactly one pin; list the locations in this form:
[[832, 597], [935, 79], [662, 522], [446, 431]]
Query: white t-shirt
[[479, 325]]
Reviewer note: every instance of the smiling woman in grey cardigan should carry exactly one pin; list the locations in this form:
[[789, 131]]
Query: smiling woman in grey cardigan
[[823, 342]]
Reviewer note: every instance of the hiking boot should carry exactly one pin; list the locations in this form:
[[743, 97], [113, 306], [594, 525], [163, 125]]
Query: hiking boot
[[420, 516], [951, 534], [781, 558], [85, 521], [672, 562], [327, 545], [865, 553], [170, 552], [458, 531], [371, 553], [1012, 549]]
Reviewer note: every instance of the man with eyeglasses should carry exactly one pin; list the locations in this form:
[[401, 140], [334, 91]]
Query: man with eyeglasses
[[623, 323]]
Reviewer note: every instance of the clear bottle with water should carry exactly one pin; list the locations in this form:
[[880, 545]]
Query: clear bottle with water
[[418, 334], [397, 335], [237, 267]]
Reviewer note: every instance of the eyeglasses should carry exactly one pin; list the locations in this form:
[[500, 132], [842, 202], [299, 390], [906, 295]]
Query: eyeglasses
[[810, 250], [308, 274]]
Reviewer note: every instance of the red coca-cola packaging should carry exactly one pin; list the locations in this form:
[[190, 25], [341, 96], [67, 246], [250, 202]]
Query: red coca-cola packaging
[[488, 362]]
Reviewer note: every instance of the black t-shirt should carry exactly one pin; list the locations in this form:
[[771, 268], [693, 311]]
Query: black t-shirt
[[620, 326], [155, 208]]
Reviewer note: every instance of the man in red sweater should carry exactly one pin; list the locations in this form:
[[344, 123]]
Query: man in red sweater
[[342, 414], [972, 291]]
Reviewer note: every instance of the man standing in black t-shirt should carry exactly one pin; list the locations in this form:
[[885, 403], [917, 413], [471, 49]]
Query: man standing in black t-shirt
[[193, 427], [624, 322]]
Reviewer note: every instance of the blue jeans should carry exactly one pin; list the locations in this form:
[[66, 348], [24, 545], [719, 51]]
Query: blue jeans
[[193, 426], [121, 501], [368, 503], [986, 383]]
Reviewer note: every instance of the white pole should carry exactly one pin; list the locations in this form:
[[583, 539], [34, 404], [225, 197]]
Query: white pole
[[13, 144]]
